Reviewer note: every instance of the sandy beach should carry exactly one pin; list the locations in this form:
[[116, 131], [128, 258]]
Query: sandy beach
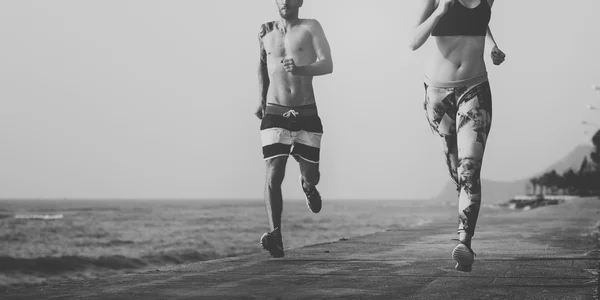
[[550, 252]]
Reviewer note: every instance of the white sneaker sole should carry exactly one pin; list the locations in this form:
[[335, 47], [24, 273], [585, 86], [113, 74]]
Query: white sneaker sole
[[463, 257]]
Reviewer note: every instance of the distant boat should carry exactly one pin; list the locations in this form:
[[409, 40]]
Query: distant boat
[[40, 217], [533, 201]]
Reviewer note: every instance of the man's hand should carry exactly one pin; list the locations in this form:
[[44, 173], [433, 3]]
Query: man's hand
[[260, 111], [444, 6], [289, 66], [497, 56]]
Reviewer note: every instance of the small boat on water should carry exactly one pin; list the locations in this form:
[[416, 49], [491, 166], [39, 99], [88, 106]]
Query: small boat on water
[[39, 217], [533, 201]]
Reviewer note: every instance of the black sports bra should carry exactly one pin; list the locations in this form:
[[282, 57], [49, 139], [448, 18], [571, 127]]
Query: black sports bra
[[460, 20]]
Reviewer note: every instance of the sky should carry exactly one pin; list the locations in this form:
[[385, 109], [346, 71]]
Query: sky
[[155, 98]]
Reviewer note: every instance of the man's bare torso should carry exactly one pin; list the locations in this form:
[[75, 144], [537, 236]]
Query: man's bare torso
[[297, 44]]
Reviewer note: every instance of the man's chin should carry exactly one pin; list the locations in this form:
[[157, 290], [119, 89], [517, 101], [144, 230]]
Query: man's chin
[[286, 15]]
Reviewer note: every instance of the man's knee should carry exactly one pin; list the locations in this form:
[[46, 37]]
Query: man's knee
[[275, 171]]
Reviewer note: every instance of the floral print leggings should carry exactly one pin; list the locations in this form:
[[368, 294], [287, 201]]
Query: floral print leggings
[[462, 116]]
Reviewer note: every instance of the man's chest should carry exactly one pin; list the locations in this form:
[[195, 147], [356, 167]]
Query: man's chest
[[293, 43]]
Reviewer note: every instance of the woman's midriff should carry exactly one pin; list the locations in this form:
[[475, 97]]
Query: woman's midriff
[[456, 58]]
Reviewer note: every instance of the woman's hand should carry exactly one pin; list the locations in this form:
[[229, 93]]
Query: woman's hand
[[444, 6], [497, 56]]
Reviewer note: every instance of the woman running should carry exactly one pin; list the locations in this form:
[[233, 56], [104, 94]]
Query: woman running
[[458, 101]]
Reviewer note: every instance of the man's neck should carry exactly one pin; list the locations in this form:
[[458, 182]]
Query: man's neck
[[286, 24]]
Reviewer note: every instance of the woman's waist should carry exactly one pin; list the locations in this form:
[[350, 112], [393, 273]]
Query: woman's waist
[[445, 83], [443, 69], [457, 56]]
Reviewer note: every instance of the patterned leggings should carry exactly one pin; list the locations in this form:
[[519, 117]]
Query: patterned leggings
[[461, 113]]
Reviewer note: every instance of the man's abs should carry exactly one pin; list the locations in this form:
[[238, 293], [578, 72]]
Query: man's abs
[[456, 58], [288, 90]]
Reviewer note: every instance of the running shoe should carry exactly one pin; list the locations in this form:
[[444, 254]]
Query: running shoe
[[271, 241], [464, 257], [313, 198]]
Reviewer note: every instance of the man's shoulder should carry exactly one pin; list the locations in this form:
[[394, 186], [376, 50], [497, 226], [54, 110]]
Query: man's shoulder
[[310, 22], [266, 28], [312, 25]]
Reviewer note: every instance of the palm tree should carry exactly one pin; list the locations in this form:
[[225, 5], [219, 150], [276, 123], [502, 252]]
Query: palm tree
[[586, 177], [534, 182], [570, 180], [553, 181], [595, 156], [560, 183], [543, 182]]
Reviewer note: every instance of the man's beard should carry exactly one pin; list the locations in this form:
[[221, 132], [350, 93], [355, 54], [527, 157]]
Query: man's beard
[[286, 15]]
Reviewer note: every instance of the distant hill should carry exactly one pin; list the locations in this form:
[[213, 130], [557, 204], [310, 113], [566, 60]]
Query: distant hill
[[572, 160], [493, 191], [501, 191]]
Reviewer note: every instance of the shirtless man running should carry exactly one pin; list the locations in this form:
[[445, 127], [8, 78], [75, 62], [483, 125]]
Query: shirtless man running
[[292, 51]]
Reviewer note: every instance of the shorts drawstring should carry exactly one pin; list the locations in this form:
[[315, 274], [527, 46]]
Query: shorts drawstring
[[290, 113]]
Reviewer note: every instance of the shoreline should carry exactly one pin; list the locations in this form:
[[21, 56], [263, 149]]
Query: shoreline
[[431, 227], [153, 269], [343, 220], [430, 223], [554, 258]]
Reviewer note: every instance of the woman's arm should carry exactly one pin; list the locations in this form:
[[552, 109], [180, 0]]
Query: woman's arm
[[489, 37], [498, 56], [428, 18]]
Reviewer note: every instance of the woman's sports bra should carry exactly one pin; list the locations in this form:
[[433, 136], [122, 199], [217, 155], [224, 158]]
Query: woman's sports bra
[[460, 20]]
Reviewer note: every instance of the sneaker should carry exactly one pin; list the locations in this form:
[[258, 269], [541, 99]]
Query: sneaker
[[313, 198], [464, 257], [271, 241]]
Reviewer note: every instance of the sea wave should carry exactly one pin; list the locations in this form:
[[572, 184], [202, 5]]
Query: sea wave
[[39, 216], [54, 265], [105, 238]]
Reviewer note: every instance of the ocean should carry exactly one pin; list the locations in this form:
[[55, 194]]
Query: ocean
[[90, 239]]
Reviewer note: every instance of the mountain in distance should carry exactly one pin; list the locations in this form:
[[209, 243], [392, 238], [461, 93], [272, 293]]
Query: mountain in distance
[[572, 160], [494, 192]]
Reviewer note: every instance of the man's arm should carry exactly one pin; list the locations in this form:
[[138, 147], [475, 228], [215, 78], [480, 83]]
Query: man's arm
[[263, 75], [324, 63]]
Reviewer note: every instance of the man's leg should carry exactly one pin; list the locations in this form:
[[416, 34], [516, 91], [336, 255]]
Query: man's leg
[[307, 152], [272, 241], [275, 172], [276, 144], [310, 174], [309, 178]]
